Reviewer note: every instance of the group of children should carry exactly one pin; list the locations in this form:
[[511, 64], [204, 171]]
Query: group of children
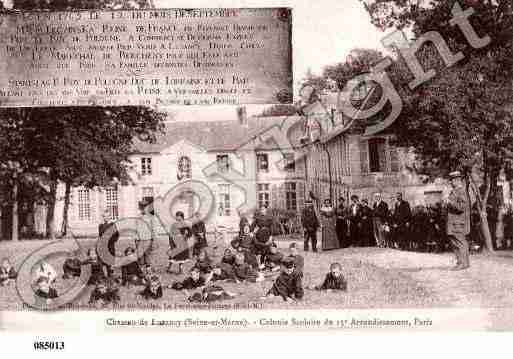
[[252, 258]]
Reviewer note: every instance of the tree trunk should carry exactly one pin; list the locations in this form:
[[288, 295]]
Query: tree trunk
[[50, 214], [485, 230], [483, 216], [15, 222], [65, 210]]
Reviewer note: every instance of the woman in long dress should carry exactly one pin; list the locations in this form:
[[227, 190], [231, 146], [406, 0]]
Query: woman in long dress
[[328, 223], [179, 252]]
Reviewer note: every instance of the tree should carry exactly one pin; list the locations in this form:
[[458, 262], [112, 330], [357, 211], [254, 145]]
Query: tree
[[461, 118]]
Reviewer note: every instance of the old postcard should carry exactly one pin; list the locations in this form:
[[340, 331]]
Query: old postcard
[[292, 166]]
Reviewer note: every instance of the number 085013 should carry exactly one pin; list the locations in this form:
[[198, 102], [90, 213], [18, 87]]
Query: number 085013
[[48, 345]]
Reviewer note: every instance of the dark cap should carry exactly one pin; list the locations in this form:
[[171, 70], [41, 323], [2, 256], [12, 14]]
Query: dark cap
[[288, 263]]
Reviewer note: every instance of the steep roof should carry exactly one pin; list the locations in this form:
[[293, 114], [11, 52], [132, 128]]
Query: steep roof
[[218, 135]]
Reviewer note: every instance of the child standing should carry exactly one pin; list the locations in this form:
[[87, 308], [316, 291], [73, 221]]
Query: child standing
[[179, 243], [334, 279], [7, 272], [288, 284]]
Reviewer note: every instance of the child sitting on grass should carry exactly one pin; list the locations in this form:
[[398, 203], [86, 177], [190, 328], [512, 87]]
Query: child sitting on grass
[[228, 257], [299, 261], [273, 259], [203, 263], [249, 257], [192, 282], [104, 293], [244, 272], [334, 280], [153, 289], [72, 266], [131, 273], [211, 293], [220, 272], [7, 272], [98, 269], [288, 284], [45, 293]]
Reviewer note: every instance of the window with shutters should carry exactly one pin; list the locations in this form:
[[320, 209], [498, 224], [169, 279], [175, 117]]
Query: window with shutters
[[290, 196], [224, 205], [262, 162], [146, 167], [263, 194], [112, 203], [223, 163], [84, 204], [377, 155]]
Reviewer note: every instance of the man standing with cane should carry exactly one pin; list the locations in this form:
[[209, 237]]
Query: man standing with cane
[[458, 221]]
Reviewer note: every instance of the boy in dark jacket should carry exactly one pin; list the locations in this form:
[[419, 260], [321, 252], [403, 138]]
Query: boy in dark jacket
[[153, 289], [310, 225], [299, 261], [192, 282], [72, 266], [288, 284], [104, 293], [334, 279], [131, 273], [243, 271], [199, 231]]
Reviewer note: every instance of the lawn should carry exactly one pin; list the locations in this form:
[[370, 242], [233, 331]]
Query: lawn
[[377, 278], [369, 286]]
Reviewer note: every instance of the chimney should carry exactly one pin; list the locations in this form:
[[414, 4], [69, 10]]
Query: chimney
[[242, 115]]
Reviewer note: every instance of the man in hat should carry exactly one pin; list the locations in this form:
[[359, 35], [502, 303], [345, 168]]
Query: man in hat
[[355, 217], [310, 225], [380, 212], [341, 224], [401, 218], [458, 220]]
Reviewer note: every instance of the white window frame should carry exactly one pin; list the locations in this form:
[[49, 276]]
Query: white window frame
[[112, 202], [84, 204], [264, 194]]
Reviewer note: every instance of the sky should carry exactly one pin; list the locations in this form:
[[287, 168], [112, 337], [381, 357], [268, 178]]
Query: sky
[[323, 33]]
